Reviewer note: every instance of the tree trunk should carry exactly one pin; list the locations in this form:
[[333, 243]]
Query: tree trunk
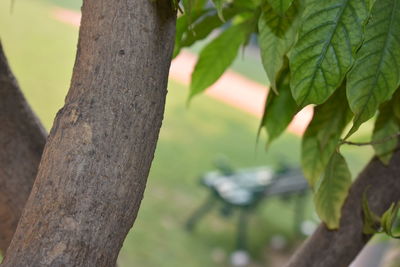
[[22, 139], [339, 248], [96, 160]]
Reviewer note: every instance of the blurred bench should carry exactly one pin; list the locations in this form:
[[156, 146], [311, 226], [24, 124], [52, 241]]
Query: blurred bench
[[244, 189]]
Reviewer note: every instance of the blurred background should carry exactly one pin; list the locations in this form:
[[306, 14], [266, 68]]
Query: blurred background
[[41, 45]]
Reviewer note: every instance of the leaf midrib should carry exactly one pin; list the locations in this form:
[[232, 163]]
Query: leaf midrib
[[325, 49]]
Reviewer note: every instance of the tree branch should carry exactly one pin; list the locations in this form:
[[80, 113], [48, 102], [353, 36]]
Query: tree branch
[[94, 167], [339, 248], [22, 140]]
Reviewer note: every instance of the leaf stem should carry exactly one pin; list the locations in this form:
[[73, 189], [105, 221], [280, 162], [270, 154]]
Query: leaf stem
[[376, 142]]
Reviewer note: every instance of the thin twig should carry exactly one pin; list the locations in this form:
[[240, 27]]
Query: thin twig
[[377, 142]]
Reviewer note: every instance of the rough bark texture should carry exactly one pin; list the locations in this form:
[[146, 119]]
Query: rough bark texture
[[96, 161], [327, 248], [22, 139]]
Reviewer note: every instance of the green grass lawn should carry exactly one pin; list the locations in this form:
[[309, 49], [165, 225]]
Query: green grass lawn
[[41, 52]]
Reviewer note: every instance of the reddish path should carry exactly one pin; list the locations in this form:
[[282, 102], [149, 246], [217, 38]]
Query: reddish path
[[232, 88]]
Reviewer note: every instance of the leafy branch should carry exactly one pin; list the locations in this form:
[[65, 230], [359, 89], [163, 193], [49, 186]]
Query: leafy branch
[[343, 56]]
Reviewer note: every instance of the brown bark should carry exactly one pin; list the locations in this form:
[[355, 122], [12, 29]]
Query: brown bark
[[96, 161], [22, 140], [327, 248]]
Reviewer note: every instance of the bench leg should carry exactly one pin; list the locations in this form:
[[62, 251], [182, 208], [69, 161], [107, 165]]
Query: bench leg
[[241, 241], [200, 213], [299, 212]]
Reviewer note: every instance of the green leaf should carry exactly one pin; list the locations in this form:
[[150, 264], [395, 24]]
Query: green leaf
[[396, 104], [388, 219], [246, 5], [323, 134], [203, 23], [183, 29], [279, 109], [375, 224], [276, 36], [204, 27], [280, 24], [371, 4], [331, 32], [219, 4], [371, 222], [216, 57], [187, 7], [280, 6], [332, 191], [376, 72], [386, 126], [191, 8], [192, 5], [199, 4]]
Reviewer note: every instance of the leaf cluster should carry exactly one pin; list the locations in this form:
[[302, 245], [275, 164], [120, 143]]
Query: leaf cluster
[[374, 224], [340, 56]]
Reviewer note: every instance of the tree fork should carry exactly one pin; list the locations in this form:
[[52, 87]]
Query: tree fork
[[340, 247], [22, 139], [96, 161]]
